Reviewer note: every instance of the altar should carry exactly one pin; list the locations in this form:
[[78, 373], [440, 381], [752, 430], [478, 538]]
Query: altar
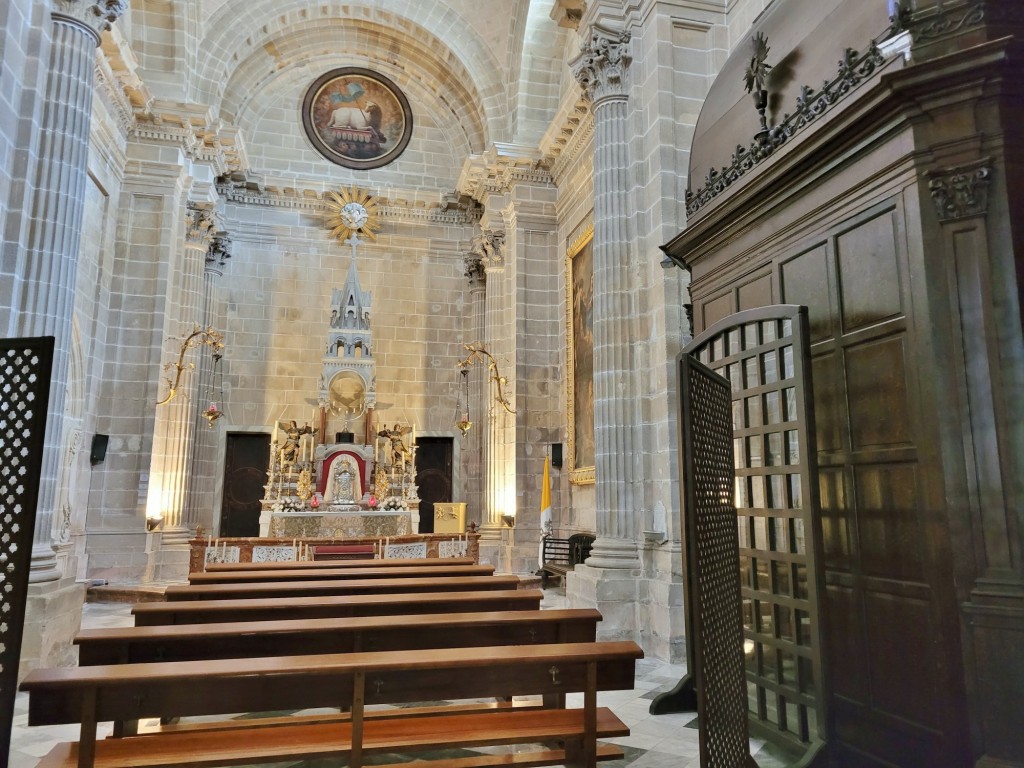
[[342, 525], [363, 482], [340, 490]]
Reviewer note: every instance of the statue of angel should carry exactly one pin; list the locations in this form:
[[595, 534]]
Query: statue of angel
[[397, 437]]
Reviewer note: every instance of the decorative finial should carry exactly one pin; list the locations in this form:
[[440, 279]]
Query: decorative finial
[[755, 78], [757, 70]]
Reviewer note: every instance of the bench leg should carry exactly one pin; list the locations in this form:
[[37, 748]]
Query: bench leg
[[355, 759], [87, 735]]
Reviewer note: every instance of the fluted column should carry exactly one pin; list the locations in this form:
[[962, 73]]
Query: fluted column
[[472, 443], [174, 429], [492, 245], [601, 69], [201, 496], [46, 298]]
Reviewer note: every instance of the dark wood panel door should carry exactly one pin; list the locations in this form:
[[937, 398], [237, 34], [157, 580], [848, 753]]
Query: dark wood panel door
[[433, 476], [892, 636], [245, 473]]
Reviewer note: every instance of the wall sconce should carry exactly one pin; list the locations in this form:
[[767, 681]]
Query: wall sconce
[[152, 523], [509, 521], [476, 353], [199, 336]]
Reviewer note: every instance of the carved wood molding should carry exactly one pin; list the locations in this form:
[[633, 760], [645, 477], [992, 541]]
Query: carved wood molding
[[962, 191]]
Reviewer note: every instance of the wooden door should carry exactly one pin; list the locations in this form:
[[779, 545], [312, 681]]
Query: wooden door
[[245, 474], [433, 476]]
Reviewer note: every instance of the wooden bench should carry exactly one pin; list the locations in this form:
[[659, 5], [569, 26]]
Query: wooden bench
[[368, 563], [310, 574], [133, 645], [325, 587], [89, 695], [559, 556], [219, 611]]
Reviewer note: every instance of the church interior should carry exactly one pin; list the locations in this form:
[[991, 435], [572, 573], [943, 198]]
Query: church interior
[[708, 311]]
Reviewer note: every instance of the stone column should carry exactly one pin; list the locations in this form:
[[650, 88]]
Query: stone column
[[46, 299], [601, 69], [204, 467], [174, 429], [492, 248], [472, 443]]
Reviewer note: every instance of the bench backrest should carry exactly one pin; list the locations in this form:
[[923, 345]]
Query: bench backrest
[[317, 587], [267, 609], [310, 574], [580, 545], [364, 563], [133, 645], [193, 688]]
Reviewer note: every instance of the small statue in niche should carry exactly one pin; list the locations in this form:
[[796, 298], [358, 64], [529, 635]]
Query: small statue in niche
[[345, 486]]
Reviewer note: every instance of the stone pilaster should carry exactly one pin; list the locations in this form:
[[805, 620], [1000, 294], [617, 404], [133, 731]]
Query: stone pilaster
[[45, 302], [601, 69], [491, 247], [47, 293], [175, 426], [472, 443], [204, 466]]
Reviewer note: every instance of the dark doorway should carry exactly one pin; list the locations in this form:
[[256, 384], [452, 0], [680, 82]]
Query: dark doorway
[[245, 474], [433, 476]]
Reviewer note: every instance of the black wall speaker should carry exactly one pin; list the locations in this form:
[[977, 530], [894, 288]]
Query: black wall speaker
[[556, 455], [98, 452]]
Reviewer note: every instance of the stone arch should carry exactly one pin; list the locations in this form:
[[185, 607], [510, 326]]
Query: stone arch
[[240, 29]]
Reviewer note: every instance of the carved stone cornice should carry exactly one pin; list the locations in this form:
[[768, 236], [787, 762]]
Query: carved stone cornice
[[568, 13], [110, 92], [450, 211], [96, 16], [499, 169], [960, 192], [603, 63], [578, 138], [215, 144]]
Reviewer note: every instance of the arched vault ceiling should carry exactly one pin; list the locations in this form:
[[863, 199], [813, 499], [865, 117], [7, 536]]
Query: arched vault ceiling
[[431, 80], [240, 29]]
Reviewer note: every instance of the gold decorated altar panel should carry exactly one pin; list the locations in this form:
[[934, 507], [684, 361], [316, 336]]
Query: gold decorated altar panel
[[341, 525]]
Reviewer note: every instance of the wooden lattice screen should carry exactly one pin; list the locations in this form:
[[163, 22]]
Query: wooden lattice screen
[[764, 354], [24, 388], [712, 551]]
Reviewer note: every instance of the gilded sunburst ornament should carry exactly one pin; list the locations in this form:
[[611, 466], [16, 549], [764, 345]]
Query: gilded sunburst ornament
[[352, 211]]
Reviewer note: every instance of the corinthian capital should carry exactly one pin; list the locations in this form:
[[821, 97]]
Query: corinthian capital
[[200, 227], [602, 63], [489, 247], [97, 15]]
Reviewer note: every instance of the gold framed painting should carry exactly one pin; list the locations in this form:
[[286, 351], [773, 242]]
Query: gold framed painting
[[357, 118], [579, 282]]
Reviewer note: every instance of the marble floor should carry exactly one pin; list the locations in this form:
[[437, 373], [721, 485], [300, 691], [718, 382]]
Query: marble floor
[[655, 741]]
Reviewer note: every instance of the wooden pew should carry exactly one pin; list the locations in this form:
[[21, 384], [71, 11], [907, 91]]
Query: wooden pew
[[88, 695], [133, 645], [219, 611], [324, 587], [365, 563], [310, 574]]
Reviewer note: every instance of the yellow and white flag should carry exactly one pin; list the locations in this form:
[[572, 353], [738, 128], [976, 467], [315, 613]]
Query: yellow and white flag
[[545, 508]]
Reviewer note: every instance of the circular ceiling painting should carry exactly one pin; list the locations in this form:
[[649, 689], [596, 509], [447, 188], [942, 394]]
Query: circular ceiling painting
[[357, 118]]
